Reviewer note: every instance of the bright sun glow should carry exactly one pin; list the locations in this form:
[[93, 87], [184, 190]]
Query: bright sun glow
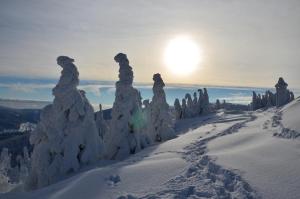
[[182, 55]]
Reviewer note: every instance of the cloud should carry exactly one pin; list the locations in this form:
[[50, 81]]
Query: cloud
[[28, 88]]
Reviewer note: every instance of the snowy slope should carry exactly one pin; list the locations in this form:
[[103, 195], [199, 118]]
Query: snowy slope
[[290, 115], [269, 163], [177, 168], [227, 155]]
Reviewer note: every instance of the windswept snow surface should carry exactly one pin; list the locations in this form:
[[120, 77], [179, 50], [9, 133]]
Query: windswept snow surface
[[226, 155], [270, 164], [178, 168]]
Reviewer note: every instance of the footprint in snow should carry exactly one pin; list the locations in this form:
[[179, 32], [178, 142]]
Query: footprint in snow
[[113, 180]]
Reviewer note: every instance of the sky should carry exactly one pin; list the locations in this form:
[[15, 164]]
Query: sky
[[244, 43]]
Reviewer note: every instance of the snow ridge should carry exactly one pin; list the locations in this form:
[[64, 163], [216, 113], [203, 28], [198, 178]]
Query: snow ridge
[[203, 178], [283, 132]]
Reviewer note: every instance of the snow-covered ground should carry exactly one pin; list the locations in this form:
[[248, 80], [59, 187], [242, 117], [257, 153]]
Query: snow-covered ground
[[269, 163], [226, 155]]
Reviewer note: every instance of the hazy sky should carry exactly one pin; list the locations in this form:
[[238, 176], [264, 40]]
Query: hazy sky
[[246, 43]]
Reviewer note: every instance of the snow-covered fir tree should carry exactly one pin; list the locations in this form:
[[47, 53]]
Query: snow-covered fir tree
[[66, 136], [218, 104], [178, 109], [5, 168], [200, 102], [195, 104], [205, 102], [282, 93], [127, 121], [184, 109], [101, 124], [189, 104], [161, 124]]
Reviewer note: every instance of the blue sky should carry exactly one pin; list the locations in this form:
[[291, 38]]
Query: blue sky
[[246, 43]]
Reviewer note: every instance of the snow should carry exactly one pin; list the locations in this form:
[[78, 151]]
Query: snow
[[175, 168], [290, 118], [222, 155], [270, 164]]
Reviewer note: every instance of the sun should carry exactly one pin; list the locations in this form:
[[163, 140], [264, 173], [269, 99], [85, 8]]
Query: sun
[[182, 55]]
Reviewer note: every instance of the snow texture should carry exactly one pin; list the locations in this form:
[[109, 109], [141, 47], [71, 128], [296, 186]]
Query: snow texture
[[160, 124]]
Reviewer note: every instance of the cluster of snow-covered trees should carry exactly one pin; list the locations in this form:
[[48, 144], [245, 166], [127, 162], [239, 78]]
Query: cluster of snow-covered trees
[[132, 126], [70, 135], [269, 99], [192, 107], [12, 174]]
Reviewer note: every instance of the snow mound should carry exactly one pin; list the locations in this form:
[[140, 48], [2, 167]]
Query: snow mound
[[287, 119]]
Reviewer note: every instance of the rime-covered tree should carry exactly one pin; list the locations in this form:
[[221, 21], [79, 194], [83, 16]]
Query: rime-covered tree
[[161, 119], [66, 136], [5, 168], [282, 93], [189, 101], [178, 109], [205, 101], [200, 102], [184, 109], [125, 137], [101, 124], [218, 104]]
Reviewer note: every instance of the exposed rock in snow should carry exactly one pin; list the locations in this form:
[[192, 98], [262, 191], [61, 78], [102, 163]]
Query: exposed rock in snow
[[125, 137], [161, 124], [66, 136]]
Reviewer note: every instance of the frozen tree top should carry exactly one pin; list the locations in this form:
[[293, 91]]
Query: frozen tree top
[[158, 80], [281, 83], [125, 71]]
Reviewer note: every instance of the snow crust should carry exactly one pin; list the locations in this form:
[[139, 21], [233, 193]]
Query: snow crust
[[268, 163]]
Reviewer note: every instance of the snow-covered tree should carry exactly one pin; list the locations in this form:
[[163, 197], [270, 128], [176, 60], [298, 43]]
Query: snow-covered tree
[[189, 104], [66, 136], [254, 101], [184, 109], [292, 96], [27, 127], [101, 124], [218, 104], [178, 109], [205, 102], [127, 121], [161, 124], [5, 168], [282, 93], [195, 104], [23, 165], [200, 102]]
